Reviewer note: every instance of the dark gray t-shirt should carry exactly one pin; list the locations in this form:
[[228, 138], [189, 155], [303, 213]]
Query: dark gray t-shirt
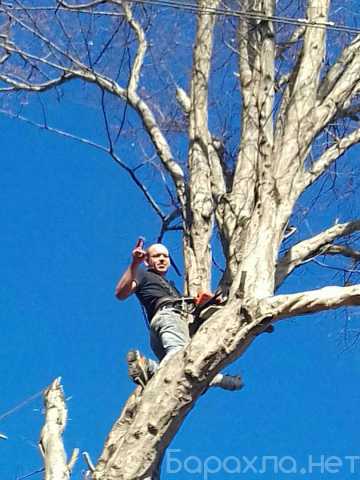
[[151, 287]]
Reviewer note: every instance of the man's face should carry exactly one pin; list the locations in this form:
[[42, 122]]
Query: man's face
[[158, 258]]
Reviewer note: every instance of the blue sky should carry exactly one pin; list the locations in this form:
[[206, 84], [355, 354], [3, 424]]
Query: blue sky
[[69, 218]]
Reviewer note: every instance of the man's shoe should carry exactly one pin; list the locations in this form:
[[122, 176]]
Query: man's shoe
[[138, 368], [227, 382]]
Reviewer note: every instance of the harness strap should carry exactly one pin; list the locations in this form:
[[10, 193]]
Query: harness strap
[[181, 303]]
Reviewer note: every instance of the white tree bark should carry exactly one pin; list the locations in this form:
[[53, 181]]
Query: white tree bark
[[284, 306], [51, 442]]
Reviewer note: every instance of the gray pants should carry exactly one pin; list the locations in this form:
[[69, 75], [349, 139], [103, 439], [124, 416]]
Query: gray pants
[[169, 333]]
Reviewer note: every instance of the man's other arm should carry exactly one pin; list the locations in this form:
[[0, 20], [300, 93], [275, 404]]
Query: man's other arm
[[127, 283]]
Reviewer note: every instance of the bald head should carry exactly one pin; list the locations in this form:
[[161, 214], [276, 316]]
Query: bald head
[[157, 258]]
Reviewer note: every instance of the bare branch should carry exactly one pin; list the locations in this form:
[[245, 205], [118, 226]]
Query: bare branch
[[340, 86], [73, 459], [332, 297], [78, 69], [351, 112], [34, 87], [85, 141], [166, 223], [161, 145], [342, 250], [200, 191], [311, 247], [51, 443], [298, 122], [217, 173], [141, 51], [339, 68], [312, 56], [256, 67], [245, 171], [88, 461], [45, 40], [92, 4], [183, 100], [296, 35], [329, 156]]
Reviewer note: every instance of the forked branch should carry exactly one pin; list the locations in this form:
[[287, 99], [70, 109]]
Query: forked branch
[[311, 247]]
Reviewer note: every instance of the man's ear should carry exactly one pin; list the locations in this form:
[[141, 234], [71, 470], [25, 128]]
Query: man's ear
[[146, 261]]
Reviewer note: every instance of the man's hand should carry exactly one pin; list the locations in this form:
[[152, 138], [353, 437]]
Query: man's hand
[[127, 283], [138, 254], [203, 297]]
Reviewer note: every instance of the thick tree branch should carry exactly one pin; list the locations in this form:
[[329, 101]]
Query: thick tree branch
[[340, 86], [253, 184], [298, 122], [312, 55], [311, 247], [256, 67], [340, 67], [218, 182], [327, 298], [199, 223], [243, 193]]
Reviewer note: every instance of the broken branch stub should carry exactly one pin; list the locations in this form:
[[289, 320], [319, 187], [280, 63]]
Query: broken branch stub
[[51, 442]]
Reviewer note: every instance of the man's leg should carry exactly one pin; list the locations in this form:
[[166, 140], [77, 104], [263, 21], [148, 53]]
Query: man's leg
[[169, 333], [227, 382], [139, 368]]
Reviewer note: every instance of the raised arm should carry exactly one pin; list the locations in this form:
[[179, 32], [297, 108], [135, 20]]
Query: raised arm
[[127, 283]]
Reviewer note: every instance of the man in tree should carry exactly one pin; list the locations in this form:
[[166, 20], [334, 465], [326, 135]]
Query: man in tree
[[169, 331]]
